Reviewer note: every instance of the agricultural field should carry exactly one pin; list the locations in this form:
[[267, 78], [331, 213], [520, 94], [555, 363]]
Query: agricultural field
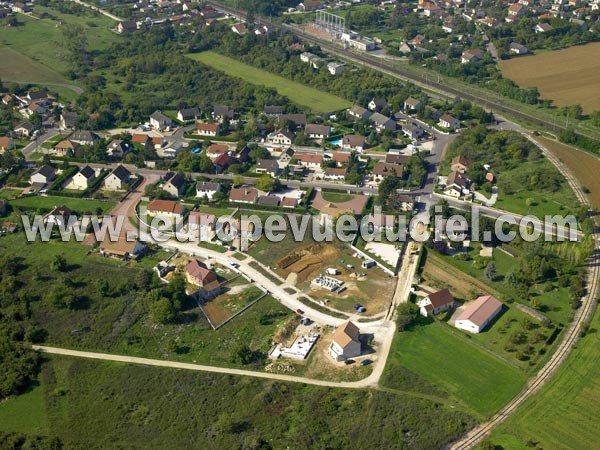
[[564, 414], [567, 76], [584, 166], [101, 404], [314, 99], [474, 377]]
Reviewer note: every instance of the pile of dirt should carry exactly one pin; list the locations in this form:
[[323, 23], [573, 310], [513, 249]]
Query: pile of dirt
[[307, 262]]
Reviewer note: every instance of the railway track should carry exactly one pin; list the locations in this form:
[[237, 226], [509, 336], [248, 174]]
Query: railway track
[[571, 337], [584, 313], [482, 431], [379, 64]]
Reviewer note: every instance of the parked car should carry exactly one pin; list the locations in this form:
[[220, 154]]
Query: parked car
[[366, 362], [299, 311], [349, 361]]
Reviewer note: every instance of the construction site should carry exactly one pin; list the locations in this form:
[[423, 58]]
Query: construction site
[[370, 287]]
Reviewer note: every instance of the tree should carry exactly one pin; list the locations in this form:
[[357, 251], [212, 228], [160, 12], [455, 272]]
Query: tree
[[267, 183], [595, 118], [407, 314], [238, 180], [490, 271], [59, 263], [162, 311]]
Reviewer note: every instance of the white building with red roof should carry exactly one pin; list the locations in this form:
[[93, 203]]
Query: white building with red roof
[[479, 314]]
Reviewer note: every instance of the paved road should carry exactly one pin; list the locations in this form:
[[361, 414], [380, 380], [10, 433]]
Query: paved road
[[383, 331], [537, 224], [292, 184], [36, 144]]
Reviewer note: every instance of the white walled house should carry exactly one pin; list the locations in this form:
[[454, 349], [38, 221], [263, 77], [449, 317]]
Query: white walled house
[[43, 175], [84, 178], [479, 314], [345, 342], [207, 189], [116, 180], [436, 303], [447, 121]]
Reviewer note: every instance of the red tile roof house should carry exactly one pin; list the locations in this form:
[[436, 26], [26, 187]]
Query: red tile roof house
[[436, 303], [479, 314], [199, 275], [340, 158], [215, 150], [384, 169], [335, 174], [461, 164], [223, 162], [243, 195], [166, 209], [208, 129], [289, 202], [6, 143]]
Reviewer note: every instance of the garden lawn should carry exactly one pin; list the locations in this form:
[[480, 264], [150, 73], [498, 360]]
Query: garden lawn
[[79, 205], [316, 100]]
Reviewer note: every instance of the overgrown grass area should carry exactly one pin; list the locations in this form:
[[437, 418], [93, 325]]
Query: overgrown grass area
[[472, 375], [103, 404], [314, 99], [115, 318], [41, 42], [564, 414], [551, 297], [523, 198], [16, 66]]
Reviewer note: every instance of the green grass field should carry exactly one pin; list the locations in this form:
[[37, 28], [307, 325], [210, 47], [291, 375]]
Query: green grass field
[[564, 414], [337, 197], [78, 205], [93, 404], [316, 100], [34, 52], [514, 190], [17, 67], [25, 413], [473, 376]]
